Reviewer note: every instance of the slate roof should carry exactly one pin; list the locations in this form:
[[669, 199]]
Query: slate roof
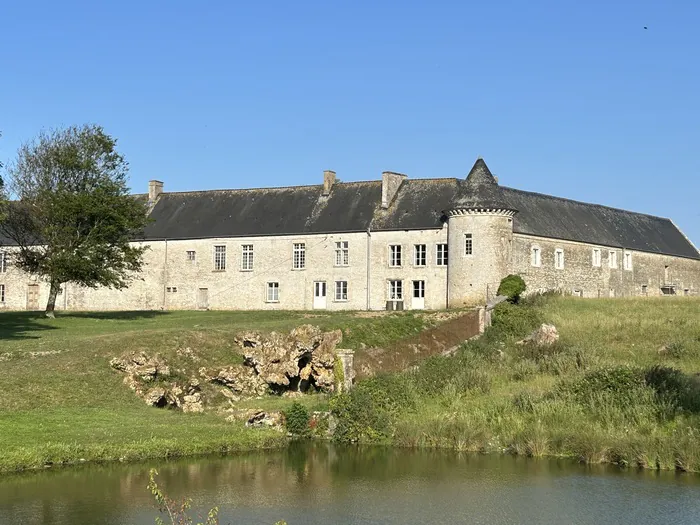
[[418, 204]]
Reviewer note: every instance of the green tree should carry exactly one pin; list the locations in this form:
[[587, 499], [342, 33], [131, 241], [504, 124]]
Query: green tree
[[73, 219]]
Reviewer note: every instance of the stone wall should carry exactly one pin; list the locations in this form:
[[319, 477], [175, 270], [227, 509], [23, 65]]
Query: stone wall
[[579, 276]]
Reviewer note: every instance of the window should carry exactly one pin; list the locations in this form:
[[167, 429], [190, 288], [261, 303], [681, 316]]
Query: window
[[2, 293], [247, 257], [644, 289], [612, 292], [219, 258], [342, 253], [273, 292], [171, 289], [612, 259], [419, 289], [596, 257], [536, 256], [578, 293], [396, 290], [627, 260], [442, 255], [419, 255], [395, 255], [341, 290], [3, 262], [468, 246], [559, 259], [299, 256], [191, 255]]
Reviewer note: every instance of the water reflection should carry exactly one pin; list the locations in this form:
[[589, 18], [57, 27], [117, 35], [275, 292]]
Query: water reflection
[[321, 484]]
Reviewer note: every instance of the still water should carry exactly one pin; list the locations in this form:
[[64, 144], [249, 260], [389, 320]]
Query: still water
[[320, 484]]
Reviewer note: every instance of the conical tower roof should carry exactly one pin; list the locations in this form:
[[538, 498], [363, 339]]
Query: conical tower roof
[[480, 191]]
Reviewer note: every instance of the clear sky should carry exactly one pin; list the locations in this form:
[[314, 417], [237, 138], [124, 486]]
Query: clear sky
[[571, 98]]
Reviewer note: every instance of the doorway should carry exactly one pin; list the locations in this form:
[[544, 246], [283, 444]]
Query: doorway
[[320, 295], [203, 299], [32, 297], [418, 301]]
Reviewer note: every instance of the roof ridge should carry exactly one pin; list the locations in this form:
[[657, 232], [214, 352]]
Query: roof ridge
[[295, 187], [585, 203]]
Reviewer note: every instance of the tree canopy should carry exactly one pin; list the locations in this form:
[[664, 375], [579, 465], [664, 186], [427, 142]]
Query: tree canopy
[[74, 219]]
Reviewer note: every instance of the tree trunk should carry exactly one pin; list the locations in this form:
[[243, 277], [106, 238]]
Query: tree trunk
[[51, 305]]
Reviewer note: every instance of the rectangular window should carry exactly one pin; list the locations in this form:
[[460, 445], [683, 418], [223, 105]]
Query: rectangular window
[[3, 262], [536, 256], [299, 256], [612, 259], [628, 260], [171, 289], [419, 289], [341, 290], [342, 253], [441, 255], [396, 290], [644, 289], [2, 293], [468, 246], [419, 258], [219, 258], [596, 257], [247, 257], [559, 259], [395, 255], [191, 255], [612, 292], [273, 292]]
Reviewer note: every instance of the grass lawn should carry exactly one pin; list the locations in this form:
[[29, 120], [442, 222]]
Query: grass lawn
[[62, 402], [591, 396]]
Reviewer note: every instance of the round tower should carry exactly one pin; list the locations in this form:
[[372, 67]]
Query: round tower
[[479, 237]]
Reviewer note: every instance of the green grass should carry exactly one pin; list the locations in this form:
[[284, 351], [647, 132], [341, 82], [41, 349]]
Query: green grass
[[63, 403], [591, 396]]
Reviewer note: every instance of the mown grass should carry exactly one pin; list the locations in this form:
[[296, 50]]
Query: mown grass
[[619, 386], [63, 403]]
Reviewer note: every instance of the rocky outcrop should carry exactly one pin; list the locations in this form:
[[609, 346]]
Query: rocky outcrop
[[545, 335], [286, 364], [300, 360]]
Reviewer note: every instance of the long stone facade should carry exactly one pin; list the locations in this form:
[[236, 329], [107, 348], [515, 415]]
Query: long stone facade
[[456, 256]]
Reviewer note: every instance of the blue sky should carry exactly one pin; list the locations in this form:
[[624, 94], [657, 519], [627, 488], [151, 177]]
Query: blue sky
[[571, 98]]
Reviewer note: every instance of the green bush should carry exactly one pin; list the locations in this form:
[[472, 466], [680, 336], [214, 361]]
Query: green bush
[[512, 286], [676, 387], [621, 381], [367, 413], [296, 419]]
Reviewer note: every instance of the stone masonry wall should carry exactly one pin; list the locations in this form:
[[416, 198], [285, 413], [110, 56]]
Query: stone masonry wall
[[580, 276]]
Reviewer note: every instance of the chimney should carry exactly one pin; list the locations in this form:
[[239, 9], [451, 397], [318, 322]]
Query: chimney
[[391, 182], [155, 188], [328, 181]]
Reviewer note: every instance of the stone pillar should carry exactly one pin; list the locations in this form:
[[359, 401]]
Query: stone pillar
[[346, 358]]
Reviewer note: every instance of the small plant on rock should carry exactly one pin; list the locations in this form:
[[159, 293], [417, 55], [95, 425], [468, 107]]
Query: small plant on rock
[[512, 286]]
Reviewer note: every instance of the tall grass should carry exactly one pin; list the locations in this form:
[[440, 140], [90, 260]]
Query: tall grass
[[608, 391]]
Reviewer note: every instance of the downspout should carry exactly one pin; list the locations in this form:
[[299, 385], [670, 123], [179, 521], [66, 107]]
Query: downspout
[[447, 270], [165, 273], [369, 246]]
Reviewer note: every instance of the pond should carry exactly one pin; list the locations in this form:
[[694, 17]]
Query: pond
[[322, 484]]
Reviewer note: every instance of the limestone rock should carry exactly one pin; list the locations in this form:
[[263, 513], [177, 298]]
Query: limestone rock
[[239, 379], [545, 335], [156, 397], [141, 366]]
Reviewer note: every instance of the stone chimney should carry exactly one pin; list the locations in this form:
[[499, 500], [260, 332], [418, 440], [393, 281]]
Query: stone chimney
[[391, 182], [155, 188], [328, 182]]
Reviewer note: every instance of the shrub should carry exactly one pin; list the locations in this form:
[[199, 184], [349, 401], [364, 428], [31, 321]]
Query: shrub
[[621, 381], [512, 286], [296, 419], [510, 321], [368, 412], [675, 387]]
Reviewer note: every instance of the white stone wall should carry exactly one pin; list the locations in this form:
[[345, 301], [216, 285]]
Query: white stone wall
[[581, 276]]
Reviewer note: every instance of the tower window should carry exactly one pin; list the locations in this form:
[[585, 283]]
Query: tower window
[[468, 244]]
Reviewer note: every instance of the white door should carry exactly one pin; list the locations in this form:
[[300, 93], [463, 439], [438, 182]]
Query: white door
[[319, 295], [418, 301]]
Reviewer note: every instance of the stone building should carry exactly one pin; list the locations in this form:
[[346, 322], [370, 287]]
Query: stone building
[[390, 244]]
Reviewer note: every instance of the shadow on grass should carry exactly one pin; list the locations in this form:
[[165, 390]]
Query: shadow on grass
[[21, 325], [113, 316]]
